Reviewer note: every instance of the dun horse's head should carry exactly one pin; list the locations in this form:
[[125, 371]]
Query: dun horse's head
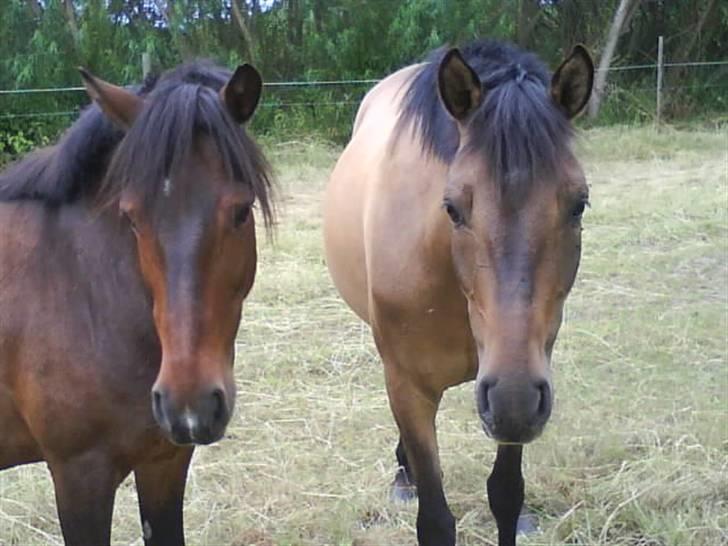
[[185, 178], [515, 195]]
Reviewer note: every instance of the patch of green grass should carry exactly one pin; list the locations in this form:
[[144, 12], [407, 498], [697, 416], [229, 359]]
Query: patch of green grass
[[637, 449]]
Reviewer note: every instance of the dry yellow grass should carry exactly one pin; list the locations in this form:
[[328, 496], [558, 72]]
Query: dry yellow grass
[[637, 450]]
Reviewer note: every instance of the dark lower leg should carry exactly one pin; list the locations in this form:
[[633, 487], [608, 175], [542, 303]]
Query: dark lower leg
[[506, 492], [435, 522], [161, 488], [415, 415], [414, 407]]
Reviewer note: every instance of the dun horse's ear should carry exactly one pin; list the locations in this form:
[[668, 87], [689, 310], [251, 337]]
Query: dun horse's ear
[[242, 92], [120, 105], [459, 85], [571, 84]]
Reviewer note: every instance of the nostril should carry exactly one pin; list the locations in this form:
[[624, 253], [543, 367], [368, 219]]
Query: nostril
[[219, 408], [157, 409], [544, 401], [484, 396]]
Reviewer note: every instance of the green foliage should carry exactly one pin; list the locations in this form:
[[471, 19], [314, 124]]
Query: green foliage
[[44, 41], [14, 144], [17, 139]]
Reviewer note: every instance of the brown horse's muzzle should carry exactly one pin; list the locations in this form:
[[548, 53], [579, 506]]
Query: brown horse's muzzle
[[201, 419], [513, 409]]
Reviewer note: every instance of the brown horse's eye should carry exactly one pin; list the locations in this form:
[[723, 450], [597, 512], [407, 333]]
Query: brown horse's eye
[[455, 215], [578, 209], [241, 215]]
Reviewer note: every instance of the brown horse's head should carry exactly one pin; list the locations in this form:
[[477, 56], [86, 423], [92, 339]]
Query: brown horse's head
[[515, 195], [185, 177]]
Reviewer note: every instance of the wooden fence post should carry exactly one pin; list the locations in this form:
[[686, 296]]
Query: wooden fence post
[[660, 69], [146, 64]]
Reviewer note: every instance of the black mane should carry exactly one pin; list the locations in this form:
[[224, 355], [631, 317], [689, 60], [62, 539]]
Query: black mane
[[73, 167], [93, 159], [61, 173], [518, 127]]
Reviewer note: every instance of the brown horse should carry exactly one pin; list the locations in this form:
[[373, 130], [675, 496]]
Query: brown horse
[[125, 258], [453, 227]]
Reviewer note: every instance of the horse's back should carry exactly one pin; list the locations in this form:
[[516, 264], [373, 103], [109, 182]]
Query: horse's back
[[353, 185]]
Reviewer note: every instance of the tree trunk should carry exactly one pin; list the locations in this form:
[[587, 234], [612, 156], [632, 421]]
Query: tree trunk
[[528, 14], [295, 22], [648, 26], [684, 53], [167, 11], [240, 19], [318, 16], [688, 49], [600, 79], [254, 14], [35, 8], [71, 19]]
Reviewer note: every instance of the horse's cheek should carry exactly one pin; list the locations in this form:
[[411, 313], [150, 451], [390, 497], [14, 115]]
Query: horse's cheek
[[463, 257]]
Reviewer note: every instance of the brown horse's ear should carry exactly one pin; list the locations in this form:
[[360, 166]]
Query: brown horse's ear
[[242, 92], [571, 84], [120, 105], [459, 85]]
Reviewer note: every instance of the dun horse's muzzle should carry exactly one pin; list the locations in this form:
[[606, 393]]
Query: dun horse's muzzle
[[201, 422], [513, 409]]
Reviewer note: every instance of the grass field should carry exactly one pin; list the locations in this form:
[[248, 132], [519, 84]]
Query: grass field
[[637, 449]]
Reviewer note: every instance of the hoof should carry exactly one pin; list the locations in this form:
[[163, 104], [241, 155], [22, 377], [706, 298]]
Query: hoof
[[403, 490], [527, 524], [403, 494]]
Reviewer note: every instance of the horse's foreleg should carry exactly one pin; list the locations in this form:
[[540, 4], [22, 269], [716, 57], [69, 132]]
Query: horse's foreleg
[[415, 415], [505, 492], [85, 487], [161, 488]]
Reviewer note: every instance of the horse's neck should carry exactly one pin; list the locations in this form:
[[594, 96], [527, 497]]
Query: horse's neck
[[86, 248], [410, 193], [438, 228], [102, 241], [70, 282]]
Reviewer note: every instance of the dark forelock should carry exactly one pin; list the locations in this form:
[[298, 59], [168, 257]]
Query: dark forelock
[[520, 131]]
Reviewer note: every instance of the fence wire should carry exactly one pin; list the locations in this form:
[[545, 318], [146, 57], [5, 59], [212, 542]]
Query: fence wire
[[333, 84]]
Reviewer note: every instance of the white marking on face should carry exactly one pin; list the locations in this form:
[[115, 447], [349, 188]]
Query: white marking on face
[[167, 187], [190, 419], [147, 530]]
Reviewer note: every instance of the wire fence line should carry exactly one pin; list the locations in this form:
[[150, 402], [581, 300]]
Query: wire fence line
[[653, 66], [370, 81], [354, 82], [314, 83]]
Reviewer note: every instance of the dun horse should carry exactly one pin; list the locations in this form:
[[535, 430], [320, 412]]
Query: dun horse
[[453, 227], [125, 258]]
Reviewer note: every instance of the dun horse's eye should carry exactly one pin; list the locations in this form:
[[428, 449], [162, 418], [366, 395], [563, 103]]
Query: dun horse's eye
[[241, 215], [455, 215]]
